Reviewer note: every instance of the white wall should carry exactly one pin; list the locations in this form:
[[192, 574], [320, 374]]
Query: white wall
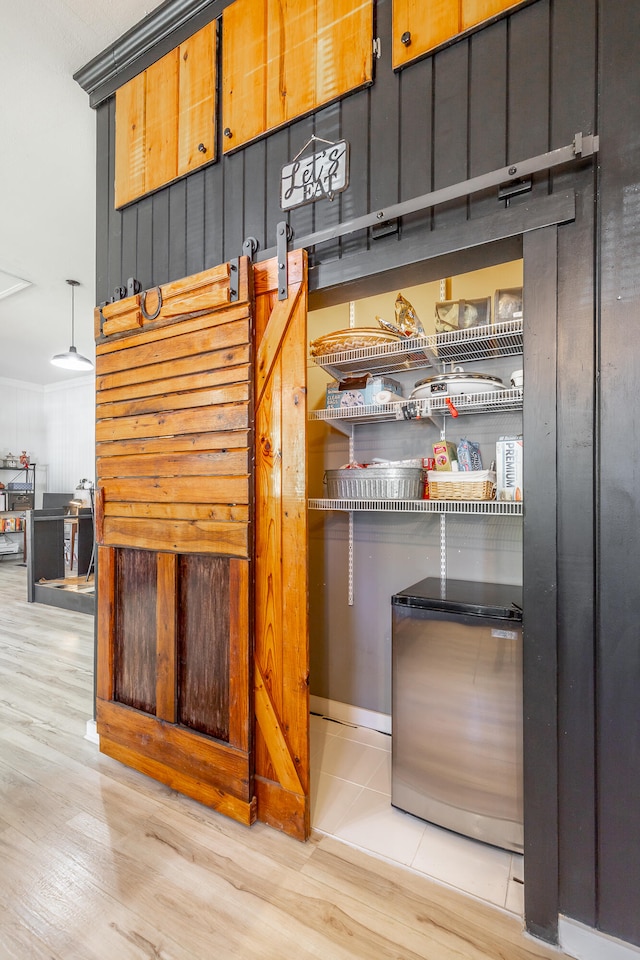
[[69, 415], [55, 425], [22, 426]]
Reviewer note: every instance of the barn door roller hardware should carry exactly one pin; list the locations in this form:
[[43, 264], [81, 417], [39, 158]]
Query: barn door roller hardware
[[129, 289], [249, 247], [515, 174], [284, 233]]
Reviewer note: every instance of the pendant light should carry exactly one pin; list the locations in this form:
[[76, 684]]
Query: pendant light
[[72, 360]]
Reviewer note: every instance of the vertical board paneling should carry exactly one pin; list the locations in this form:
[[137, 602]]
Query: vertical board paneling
[[450, 128], [383, 120], [416, 102], [129, 264], [540, 587], [416, 128], [354, 202], [393, 132], [327, 212], [573, 108], [144, 243], [160, 235], [487, 108], [301, 219], [254, 192], [277, 155], [194, 214], [528, 111], [618, 542], [576, 567], [573, 93], [233, 205], [177, 230], [213, 214]]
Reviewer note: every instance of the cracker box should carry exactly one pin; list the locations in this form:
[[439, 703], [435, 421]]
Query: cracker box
[[359, 391], [509, 476], [445, 452]]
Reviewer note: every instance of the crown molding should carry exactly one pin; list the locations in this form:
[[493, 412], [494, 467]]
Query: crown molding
[[162, 30]]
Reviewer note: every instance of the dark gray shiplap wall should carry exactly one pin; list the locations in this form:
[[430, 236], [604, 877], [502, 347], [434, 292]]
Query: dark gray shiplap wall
[[473, 107], [522, 86]]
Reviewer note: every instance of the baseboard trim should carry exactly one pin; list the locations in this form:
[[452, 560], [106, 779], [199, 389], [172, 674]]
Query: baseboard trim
[[348, 713], [91, 732], [586, 943]]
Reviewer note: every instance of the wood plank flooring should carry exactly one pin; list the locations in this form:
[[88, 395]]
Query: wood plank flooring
[[99, 862]]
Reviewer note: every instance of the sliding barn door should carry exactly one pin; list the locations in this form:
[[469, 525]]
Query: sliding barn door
[[281, 666], [174, 443], [201, 527]]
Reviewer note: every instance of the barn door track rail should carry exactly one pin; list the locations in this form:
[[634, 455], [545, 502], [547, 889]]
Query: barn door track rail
[[510, 180]]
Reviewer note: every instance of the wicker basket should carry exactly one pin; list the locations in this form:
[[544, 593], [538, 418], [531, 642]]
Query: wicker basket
[[375, 483], [472, 485]]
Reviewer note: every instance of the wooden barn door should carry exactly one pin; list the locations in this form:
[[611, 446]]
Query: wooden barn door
[[281, 665], [178, 517], [174, 443]]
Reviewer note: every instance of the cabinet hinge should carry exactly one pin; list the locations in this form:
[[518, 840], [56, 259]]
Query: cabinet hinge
[[377, 51]]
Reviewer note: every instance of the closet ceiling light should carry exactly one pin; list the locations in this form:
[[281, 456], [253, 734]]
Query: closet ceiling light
[[72, 360]]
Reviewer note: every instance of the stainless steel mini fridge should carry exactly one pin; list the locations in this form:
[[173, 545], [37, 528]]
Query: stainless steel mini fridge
[[457, 707]]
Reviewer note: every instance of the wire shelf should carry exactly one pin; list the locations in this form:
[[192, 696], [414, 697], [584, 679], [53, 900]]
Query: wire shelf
[[486, 507], [475, 343], [491, 402]]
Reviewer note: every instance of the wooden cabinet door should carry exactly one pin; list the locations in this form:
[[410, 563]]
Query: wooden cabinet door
[[202, 672], [161, 128], [174, 441], [285, 58], [476, 11], [426, 25], [130, 140], [165, 118], [196, 106], [244, 52]]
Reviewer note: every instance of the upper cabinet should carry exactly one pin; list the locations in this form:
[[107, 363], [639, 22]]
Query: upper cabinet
[[422, 25], [165, 118], [285, 58]]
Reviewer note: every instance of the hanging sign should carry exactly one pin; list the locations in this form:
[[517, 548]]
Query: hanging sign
[[319, 175]]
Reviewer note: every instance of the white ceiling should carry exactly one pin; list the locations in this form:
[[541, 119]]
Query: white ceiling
[[47, 176]]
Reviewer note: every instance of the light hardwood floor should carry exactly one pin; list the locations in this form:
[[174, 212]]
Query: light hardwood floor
[[98, 862]]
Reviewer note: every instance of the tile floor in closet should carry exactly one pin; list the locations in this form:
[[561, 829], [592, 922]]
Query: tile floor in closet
[[351, 800]]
